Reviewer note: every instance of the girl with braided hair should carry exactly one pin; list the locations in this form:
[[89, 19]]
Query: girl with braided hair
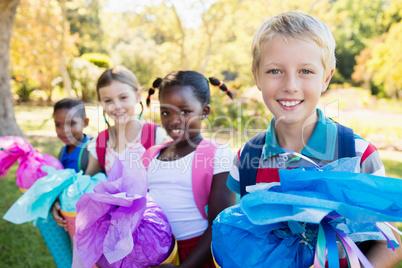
[[188, 174]]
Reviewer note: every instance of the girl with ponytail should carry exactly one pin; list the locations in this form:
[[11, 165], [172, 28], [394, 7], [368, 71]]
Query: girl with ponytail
[[188, 174]]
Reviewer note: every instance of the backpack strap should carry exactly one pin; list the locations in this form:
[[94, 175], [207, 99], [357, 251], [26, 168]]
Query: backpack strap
[[249, 161], [203, 173], [346, 142], [202, 170], [151, 153], [148, 135], [83, 157], [61, 152], [101, 143]]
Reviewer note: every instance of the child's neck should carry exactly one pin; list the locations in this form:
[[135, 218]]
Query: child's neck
[[180, 149], [294, 137], [71, 147], [123, 134]]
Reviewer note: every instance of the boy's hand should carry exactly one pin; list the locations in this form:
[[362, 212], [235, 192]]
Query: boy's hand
[[58, 217]]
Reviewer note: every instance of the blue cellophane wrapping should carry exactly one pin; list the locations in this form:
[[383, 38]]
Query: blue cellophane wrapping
[[36, 202], [277, 226], [119, 225], [81, 184]]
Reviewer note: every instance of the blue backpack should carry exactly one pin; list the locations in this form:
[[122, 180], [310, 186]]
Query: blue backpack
[[251, 154]]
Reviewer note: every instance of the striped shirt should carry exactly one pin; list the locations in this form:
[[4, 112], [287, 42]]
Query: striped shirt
[[321, 148]]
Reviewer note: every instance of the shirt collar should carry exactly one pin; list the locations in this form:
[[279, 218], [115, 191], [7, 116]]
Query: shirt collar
[[321, 144]]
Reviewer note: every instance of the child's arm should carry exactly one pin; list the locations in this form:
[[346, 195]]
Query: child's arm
[[219, 199], [383, 257], [93, 166]]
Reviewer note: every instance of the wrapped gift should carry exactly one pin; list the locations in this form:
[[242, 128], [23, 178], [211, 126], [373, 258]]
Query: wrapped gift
[[30, 160], [119, 225], [303, 221]]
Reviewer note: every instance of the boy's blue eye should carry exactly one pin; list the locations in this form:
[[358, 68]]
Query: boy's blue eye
[[274, 71], [306, 72]]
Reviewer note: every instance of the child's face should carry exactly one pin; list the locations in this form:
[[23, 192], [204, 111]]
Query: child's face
[[69, 127], [181, 112], [119, 100], [291, 79]]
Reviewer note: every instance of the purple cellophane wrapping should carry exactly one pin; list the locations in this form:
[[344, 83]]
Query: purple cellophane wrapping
[[30, 160], [119, 225]]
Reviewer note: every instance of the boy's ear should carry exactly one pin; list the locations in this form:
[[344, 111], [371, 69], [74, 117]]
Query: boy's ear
[[327, 80], [86, 121], [205, 111], [256, 80]]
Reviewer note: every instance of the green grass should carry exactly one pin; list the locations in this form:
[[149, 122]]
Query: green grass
[[20, 245]]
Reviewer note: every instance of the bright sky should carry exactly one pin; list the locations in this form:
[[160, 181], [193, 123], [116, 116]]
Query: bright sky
[[190, 11]]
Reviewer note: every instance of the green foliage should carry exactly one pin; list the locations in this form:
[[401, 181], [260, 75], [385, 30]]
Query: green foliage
[[140, 57], [240, 115], [386, 62], [84, 20], [84, 75], [23, 87], [39, 29], [357, 23], [99, 59]]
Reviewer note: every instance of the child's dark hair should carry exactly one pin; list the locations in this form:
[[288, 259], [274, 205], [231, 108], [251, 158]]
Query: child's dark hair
[[194, 79], [70, 103]]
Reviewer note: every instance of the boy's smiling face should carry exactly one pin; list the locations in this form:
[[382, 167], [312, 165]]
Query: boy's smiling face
[[69, 128], [291, 78]]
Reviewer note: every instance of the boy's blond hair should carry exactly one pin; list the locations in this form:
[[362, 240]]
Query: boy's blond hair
[[293, 26]]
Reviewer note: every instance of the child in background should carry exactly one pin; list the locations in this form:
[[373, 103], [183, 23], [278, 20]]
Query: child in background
[[184, 98], [70, 120], [118, 93], [293, 63]]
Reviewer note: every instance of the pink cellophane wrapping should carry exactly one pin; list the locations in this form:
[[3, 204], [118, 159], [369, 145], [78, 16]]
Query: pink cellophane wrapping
[[30, 160], [119, 225]]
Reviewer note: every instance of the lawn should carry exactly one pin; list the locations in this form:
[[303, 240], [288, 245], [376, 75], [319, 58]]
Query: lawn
[[22, 245]]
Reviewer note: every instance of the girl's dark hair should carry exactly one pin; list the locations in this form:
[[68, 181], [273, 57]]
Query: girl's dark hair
[[70, 103], [194, 79], [117, 73]]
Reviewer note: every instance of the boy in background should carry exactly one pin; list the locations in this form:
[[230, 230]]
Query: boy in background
[[70, 120]]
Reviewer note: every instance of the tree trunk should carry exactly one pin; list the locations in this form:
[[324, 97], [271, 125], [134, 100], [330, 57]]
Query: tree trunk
[[8, 124]]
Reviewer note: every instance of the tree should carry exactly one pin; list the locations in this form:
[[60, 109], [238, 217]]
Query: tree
[[41, 29], [8, 124], [386, 62]]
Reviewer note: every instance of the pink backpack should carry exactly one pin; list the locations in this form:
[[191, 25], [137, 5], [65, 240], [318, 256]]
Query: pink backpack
[[202, 170], [147, 140]]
